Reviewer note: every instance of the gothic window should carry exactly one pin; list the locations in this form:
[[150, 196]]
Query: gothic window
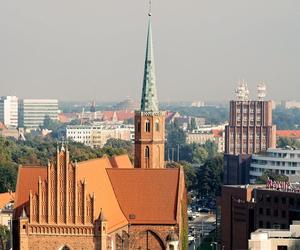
[[147, 125], [147, 152], [139, 126], [157, 125]]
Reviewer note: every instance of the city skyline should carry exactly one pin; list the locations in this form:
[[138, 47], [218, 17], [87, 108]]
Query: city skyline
[[201, 48]]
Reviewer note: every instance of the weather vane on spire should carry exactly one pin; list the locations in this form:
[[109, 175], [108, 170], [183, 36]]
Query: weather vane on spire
[[149, 13]]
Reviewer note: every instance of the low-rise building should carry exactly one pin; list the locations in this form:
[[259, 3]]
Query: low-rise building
[[6, 208], [280, 161], [97, 134], [269, 239]]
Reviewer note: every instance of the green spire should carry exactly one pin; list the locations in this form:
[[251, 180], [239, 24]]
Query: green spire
[[149, 96]]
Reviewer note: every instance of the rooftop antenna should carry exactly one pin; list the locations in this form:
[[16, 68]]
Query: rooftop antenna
[[261, 90]]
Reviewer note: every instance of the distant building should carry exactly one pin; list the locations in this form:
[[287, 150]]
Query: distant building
[[6, 209], [200, 136], [290, 104], [269, 239], [97, 134], [9, 111], [32, 112], [198, 104], [280, 161], [291, 134], [128, 104], [246, 208]]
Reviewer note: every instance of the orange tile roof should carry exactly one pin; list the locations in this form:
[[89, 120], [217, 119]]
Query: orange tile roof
[[288, 133], [120, 161], [217, 132], [147, 196], [6, 198], [28, 177], [94, 172]]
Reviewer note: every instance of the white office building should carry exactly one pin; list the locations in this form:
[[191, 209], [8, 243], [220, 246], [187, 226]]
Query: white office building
[[32, 112], [280, 161], [96, 135], [9, 111]]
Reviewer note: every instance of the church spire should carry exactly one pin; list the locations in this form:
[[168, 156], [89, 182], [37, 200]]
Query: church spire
[[149, 100]]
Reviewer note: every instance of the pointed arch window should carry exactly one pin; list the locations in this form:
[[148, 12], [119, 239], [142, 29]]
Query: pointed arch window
[[147, 152], [157, 125], [147, 125]]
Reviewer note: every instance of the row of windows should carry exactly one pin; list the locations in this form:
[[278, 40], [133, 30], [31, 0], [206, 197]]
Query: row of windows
[[275, 212], [276, 199], [148, 126], [261, 224]]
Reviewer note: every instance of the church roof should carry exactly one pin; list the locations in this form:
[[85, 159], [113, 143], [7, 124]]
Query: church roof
[[149, 100], [125, 195], [145, 196]]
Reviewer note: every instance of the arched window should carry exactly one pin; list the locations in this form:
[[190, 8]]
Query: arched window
[[147, 125], [147, 152], [139, 126], [65, 248], [157, 125]]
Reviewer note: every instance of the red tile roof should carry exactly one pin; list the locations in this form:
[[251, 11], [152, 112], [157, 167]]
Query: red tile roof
[[288, 133], [147, 196], [120, 161], [28, 177], [217, 132], [6, 198]]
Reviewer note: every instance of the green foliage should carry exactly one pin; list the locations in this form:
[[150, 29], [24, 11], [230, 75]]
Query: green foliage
[[4, 236], [286, 118], [175, 136], [184, 227], [209, 177], [206, 244], [120, 144], [193, 153], [189, 171], [8, 176], [271, 175], [283, 142]]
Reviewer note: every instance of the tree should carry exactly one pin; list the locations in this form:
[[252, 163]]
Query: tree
[[284, 142], [4, 236], [8, 177], [120, 144], [209, 177], [271, 175]]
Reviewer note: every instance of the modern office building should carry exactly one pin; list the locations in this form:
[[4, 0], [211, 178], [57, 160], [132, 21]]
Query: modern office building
[[247, 208], [280, 161], [250, 130], [32, 112], [9, 111]]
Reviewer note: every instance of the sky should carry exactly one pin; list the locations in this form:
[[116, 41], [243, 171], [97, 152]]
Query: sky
[[76, 50]]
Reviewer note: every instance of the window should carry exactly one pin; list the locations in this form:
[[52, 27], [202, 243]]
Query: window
[[283, 200], [275, 212], [268, 211], [283, 214], [291, 201], [268, 198], [282, 248], [261, 210], [139, 126], [260, 224], [147, 126], [157, 125], [147, 152], [275, 199], [268, 224]]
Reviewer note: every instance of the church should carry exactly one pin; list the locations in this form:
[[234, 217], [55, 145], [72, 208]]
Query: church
[[106, 203]]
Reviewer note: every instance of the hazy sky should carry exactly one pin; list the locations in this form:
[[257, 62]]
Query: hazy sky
[[94, 49]]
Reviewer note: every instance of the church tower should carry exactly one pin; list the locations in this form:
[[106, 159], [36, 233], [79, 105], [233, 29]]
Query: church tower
[[149, 121]]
